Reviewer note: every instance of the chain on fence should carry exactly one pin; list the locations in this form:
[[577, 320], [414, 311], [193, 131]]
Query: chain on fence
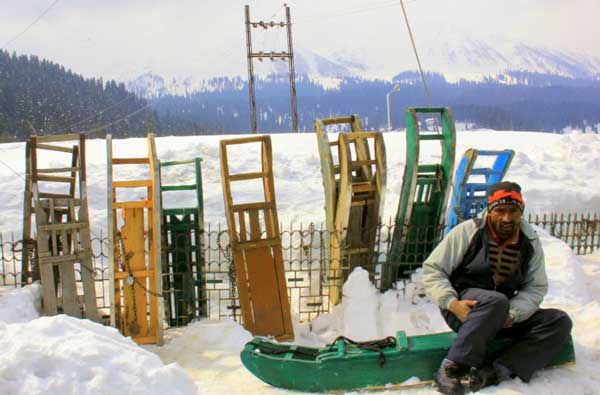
[[306, 259]]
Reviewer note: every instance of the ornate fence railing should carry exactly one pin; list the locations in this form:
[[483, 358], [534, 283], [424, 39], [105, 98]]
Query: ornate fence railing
[[580, 231], [306, 261]]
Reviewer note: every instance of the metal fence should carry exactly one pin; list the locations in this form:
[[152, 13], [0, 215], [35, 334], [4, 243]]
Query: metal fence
[[306, 260], [580, 231]]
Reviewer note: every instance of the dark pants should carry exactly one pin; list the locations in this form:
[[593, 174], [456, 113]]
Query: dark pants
[[536, 340]]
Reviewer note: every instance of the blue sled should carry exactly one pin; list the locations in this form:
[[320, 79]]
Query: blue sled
[[472, 185]]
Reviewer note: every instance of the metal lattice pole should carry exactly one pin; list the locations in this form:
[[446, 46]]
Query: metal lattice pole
[[273, 56], [250, 71], [294, 104]]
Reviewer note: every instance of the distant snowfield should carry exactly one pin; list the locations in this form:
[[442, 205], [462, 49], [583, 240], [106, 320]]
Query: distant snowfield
[[558, 173], [65, 355]]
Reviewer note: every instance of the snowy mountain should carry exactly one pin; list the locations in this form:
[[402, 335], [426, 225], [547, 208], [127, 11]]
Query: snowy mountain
[[455, 58], [325, 72]]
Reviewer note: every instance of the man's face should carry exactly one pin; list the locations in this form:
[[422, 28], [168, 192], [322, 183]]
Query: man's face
[[505, 219]]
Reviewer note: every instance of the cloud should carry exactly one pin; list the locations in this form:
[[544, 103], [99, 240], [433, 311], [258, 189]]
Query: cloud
[[123, 39]]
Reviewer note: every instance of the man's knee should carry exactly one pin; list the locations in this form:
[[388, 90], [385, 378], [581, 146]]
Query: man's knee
[[563, 323], [556, 321], [494, 300]]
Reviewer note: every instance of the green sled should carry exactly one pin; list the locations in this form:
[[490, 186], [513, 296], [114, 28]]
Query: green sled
[[345, 366]]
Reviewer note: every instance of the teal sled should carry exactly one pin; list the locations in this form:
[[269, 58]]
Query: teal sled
[[345, 365]]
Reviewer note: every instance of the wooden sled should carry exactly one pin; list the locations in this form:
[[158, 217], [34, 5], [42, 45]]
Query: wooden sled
[[184, 282], [58, 198], [472, 185], [354, 198], [345, 365], [135, 248], [424, 196], [256, 248]]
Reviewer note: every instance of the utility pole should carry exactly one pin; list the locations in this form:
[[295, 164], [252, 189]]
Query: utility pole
[[396, 88], [273, 56], [292, 72]]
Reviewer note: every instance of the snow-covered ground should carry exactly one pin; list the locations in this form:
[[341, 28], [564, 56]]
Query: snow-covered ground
[[65, 355]]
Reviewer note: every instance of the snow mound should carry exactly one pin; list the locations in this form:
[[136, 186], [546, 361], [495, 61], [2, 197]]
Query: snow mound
[[210, 352], [66, 355], [20, 304], [367, 314], [202, 338], [565, 270], [360, 300]]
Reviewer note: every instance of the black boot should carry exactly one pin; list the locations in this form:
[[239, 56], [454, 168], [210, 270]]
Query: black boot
[[483, 377], [447, 380]]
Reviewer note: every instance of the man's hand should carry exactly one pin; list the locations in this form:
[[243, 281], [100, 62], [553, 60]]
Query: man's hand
[[509, 321], [461, 308]]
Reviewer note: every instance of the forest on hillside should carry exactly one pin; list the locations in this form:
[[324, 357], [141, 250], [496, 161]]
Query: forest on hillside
[[42, 97], [531, 101]]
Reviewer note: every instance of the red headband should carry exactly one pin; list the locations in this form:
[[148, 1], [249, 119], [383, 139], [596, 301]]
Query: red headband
[[501, 194], [505, 197]]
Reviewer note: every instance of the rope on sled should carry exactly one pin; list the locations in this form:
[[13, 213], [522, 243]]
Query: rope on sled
[[371, 345]]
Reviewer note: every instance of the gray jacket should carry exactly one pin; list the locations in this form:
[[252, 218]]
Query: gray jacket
[[449, 254]]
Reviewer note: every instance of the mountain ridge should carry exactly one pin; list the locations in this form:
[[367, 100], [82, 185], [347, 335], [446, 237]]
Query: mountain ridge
[[474, 60]]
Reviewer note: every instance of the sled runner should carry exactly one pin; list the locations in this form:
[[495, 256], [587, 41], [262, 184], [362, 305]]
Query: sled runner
[[469, 195], [256, 247], [354, 196], [346, 365], [424, 196], [57, 196], [135, 247], [183, 247]]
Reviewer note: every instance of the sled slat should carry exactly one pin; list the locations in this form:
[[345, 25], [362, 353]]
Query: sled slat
[[130, 161], [58, 148]]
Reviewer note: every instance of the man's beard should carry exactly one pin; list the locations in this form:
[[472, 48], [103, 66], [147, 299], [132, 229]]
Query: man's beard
[[504, 230]]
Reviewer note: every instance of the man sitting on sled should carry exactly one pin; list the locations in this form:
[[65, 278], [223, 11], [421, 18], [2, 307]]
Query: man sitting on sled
[[488, 277]]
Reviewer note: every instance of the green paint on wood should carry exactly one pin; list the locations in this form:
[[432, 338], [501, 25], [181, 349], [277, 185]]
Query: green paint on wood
[[346, 367], [423, 198], [184, 282]]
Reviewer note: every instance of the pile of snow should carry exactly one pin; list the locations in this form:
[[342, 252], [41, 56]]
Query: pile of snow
[[210, 353], [65, 355], [20, 304]]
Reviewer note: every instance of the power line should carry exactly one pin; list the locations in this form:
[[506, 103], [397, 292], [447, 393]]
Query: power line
[[425, 87], [318, 18], [31, 24], [118, 120], [277, 11]]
